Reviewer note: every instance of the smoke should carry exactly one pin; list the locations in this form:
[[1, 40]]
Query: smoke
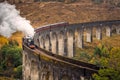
[[11, 21]]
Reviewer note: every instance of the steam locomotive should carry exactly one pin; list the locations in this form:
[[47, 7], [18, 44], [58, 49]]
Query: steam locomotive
[[29, 42]]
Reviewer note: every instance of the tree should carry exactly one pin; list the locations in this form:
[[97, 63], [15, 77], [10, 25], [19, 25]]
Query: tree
[[10, 57], [111, 69]]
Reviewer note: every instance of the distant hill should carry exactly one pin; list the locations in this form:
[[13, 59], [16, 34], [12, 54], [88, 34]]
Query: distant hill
[[51, 12]]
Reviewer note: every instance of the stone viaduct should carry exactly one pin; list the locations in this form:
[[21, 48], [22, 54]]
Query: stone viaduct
[[56, 43]]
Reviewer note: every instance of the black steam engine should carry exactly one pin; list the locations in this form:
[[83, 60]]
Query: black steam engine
[[29, 42]]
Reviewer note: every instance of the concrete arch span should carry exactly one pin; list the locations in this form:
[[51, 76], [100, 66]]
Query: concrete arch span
[[47, 43], [61, 43], [70, 43], [54, 43], [34, 70], [79, 37], [27, 68], [46, 72], [42, 42]]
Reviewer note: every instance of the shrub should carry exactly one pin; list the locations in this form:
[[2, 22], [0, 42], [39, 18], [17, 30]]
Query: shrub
[[84, 57], [101, 51]]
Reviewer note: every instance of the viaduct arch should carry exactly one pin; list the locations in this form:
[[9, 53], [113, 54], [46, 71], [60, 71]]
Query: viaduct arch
[[62, 38], [56, 43]]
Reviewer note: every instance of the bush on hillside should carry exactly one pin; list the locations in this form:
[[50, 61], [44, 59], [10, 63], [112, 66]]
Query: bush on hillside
[[10, 58], [111, 69]]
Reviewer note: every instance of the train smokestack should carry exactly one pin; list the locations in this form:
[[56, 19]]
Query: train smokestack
[[11, 21]]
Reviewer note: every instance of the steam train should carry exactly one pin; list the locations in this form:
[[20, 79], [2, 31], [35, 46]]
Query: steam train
[[29, 42]]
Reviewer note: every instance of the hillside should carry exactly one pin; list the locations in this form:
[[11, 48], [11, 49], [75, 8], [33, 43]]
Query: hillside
[[51, 12], [42, 13]]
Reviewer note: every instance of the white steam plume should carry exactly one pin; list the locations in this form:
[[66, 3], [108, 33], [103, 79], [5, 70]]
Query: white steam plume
[[11, 21]]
